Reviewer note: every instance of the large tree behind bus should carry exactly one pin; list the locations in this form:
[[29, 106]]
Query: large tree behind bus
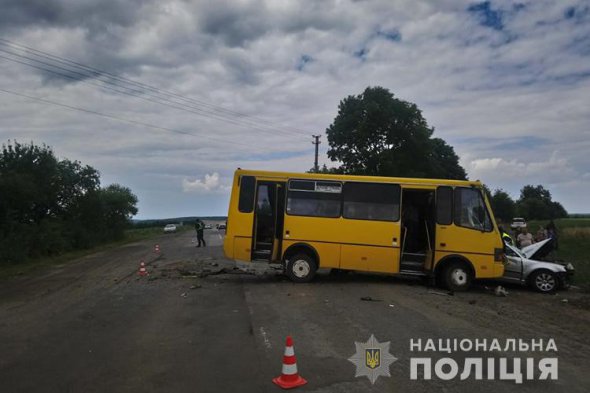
[[377, 134]]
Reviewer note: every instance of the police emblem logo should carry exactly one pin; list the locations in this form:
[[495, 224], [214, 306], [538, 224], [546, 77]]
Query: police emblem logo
[[372, 359]]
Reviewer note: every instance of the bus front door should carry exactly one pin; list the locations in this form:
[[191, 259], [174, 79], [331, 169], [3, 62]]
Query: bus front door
[[268, 220]]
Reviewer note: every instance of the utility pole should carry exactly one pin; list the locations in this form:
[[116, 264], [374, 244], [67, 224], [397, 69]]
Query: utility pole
[[317, 142]]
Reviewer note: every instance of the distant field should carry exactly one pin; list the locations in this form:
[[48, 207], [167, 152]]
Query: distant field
[[574, 245]]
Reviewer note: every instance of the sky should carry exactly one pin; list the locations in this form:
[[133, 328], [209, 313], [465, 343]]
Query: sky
[[225, 84]]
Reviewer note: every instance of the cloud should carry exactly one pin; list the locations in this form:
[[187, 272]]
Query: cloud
[[209, 184], [554, 170], [506, 85]]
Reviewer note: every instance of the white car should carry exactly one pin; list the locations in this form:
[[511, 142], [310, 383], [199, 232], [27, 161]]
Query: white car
[[541, 276], [518, 222], [170, 228]]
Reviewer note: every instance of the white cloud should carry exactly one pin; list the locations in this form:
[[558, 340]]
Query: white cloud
[[557, 174], [209, 183]]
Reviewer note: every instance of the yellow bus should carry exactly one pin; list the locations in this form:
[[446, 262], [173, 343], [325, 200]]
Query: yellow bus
[[439, 229]]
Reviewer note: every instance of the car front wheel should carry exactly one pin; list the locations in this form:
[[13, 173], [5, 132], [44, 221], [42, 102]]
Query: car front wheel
[[544, 281]]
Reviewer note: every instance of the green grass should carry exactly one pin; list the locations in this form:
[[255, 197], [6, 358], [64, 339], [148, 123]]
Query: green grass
[[131, 235], [574, 245]]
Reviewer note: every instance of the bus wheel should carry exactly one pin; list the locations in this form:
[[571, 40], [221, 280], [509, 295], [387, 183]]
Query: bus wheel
[[457, 277], [301, 268]]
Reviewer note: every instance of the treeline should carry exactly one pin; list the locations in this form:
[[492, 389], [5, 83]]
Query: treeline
[[49, 206], [175, 220], [534, 203]]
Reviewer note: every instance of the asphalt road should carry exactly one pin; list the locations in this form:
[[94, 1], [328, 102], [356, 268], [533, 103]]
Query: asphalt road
[[196, 324]]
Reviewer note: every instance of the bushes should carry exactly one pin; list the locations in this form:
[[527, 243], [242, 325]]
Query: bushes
[[49, 206]]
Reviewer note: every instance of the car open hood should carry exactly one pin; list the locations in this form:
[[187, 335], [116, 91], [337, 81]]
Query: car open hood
[[538, 250]]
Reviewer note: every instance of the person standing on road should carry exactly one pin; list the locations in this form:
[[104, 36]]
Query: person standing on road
[[200, 227], [505, 235], [541, 234], [525, 238], [552, 233]]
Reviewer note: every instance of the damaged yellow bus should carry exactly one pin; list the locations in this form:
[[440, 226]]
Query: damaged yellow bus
[[438, 229]]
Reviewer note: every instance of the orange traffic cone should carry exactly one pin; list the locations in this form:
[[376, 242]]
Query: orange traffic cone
[[289, 377], [142, 270], [157, 248]]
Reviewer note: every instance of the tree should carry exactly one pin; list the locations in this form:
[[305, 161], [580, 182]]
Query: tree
[[48, 205], [325, 170], [375, 133], [535, 202], [502, 205], [118, 203]]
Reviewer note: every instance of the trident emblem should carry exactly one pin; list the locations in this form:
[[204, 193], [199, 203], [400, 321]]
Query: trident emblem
[[373, 358]]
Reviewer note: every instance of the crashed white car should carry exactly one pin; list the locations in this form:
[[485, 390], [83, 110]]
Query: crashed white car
[[522, 267]]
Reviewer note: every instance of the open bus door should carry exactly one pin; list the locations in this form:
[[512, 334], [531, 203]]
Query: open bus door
[[269, 214]]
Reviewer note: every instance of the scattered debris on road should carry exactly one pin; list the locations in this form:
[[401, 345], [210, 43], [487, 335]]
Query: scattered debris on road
[[501, 291], [439, 293], [184, 294], [370, 299]]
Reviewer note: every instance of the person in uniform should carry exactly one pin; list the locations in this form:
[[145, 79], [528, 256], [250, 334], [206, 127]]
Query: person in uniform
[[200, 227]]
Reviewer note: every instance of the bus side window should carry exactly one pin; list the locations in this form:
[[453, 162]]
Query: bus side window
[[247, 192], [444, 205], [371, 201], [314, 199]]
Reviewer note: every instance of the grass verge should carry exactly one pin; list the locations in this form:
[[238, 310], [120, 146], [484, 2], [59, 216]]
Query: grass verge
[[131, 235], [573, 245]]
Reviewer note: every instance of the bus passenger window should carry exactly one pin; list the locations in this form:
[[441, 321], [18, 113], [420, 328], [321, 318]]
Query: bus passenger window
[[444, 205], [470, 209], [306, 198], [371, 201], [247, 191]]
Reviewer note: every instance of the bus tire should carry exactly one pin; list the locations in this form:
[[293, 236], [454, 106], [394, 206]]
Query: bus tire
[[301, 268], [457, 276]]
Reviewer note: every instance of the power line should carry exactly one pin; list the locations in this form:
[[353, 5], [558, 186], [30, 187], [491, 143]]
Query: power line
[[96, 73], [128, 91], [122, 119]]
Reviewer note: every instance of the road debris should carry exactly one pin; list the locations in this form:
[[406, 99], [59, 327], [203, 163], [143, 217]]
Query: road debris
[[184, 294], [500, 291], [225, 270], [564, 301], [195, 286], [439, 293], [370, 299]]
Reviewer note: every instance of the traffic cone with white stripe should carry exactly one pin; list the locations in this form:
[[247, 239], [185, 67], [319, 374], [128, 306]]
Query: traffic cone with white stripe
[[289, 377], [157, 248], [142, 270]]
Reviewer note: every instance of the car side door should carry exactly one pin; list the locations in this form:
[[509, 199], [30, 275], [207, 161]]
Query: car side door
[[514, 266]]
